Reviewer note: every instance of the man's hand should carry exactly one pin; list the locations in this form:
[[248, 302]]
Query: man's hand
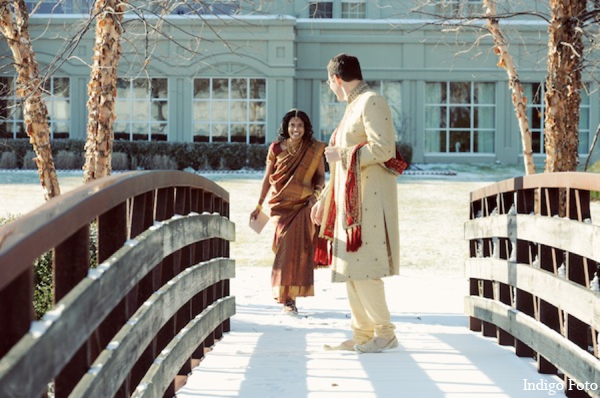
[[316, 212], [333, 154]]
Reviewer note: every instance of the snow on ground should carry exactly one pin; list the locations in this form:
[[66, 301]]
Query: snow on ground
[[272, 354]]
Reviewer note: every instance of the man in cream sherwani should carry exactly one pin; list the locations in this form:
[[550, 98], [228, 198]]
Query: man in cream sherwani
[[358, 209]]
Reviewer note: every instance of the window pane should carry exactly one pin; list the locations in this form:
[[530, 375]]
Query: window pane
[[61, 87], [159, 88], [484, 93], [141, 111], [258, 89], [224, 8], [353, 10], [536, 142], [460, 117], [460, 93], [61, 110], [257, 111], [123, 89], [320, 9], [239, 111], [239, 88], [202, 88], [122, 131], [60, 130], [140, 131], [435, 141], [484, 142], [201, 132], [435, 93], [201, 111], [160, 111], [192, 9], [158, 131], [434, 117], [460, 141], [6, 130], [122, 110], [219, 133], [141, 88], [220, 111], [220, 88], [484, 117], [238, 133], [257, 134]]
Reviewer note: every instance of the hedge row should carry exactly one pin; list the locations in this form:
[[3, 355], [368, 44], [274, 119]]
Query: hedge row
[[149, 155]]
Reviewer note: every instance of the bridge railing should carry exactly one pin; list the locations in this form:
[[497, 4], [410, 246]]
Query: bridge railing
[[135, 324], [533, 272]]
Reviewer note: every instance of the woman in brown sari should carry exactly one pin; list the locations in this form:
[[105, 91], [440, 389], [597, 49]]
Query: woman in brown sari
[[295, 171]]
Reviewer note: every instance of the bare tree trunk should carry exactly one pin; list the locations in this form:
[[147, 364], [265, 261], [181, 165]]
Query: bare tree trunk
[[102, 89], [563, 85], [15, 27], [519, 101]]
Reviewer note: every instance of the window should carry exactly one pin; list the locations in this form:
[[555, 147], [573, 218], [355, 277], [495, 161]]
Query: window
[[320, 9], [459, 117], [225, 7], [459, 8], [142, 109], [536, 110], [56, 97], [11, 111], [60, 6], [353, 9], [229, 110], [230, 7], [332, 110]]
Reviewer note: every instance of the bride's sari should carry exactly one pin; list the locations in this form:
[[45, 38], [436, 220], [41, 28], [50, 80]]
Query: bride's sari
[[293, 182]]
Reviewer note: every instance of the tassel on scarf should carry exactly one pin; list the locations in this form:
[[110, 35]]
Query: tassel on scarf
[[322, 252], [353, 238]]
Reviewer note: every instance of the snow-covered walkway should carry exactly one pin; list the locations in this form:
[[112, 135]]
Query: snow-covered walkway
[[271, 354]]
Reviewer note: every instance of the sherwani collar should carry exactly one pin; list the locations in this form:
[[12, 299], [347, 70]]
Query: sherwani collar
[[358, 90]]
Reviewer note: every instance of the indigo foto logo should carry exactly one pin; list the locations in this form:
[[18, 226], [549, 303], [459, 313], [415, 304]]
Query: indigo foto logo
[[553, 387]]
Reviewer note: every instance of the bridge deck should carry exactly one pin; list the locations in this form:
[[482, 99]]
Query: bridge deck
[[270, 354]]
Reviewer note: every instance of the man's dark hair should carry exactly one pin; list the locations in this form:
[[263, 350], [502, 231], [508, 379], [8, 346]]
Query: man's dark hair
[[283, 129], [345, 66]]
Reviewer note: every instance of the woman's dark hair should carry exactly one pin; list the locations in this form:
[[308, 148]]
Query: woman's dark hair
[[346, 66], [283, 129]]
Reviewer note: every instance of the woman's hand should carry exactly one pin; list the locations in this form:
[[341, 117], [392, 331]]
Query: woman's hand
[[312, 199], [333, 154], [254, 214]]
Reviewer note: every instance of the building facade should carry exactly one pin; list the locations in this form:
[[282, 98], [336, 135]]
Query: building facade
[[227, 71]]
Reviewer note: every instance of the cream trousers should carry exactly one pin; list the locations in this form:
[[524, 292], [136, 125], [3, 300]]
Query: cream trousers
[[370, 314]]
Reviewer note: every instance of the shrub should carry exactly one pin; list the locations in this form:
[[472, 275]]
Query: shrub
[[119, 161], [43, 293], [8, 160], [594, 168], [28, 162], [140, 154], [161, 162], [68, 160], [406, 151]]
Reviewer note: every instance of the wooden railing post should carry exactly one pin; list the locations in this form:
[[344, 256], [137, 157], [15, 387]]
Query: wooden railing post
[[71, 265]]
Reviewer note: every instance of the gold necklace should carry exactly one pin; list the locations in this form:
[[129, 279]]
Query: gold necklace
[[291, 149]]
